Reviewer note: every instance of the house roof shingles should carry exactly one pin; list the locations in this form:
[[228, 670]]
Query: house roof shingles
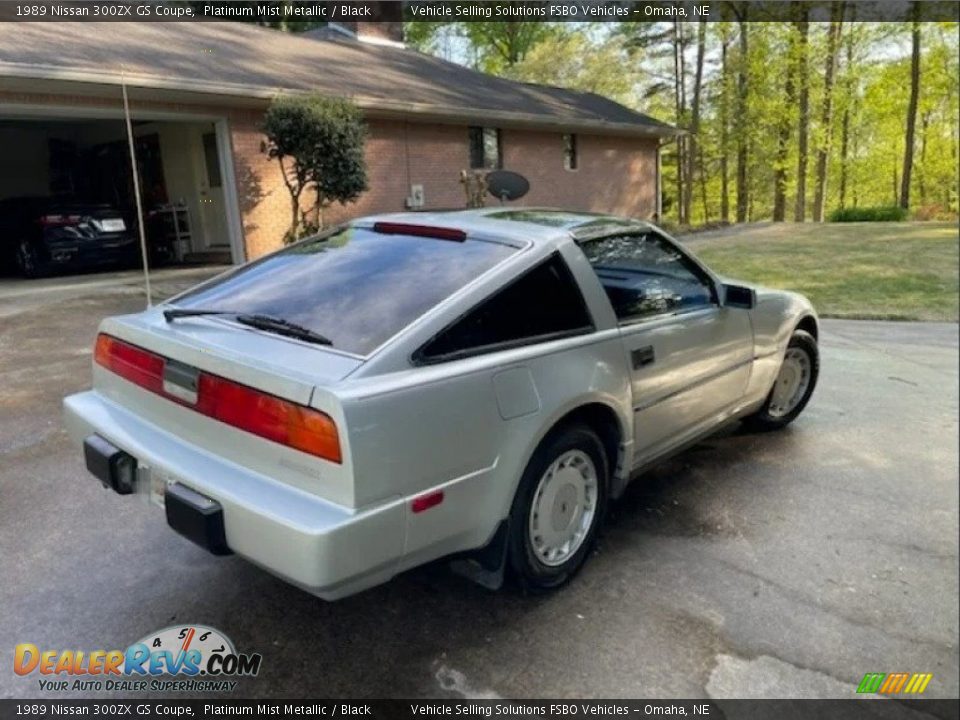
[[239, 59]]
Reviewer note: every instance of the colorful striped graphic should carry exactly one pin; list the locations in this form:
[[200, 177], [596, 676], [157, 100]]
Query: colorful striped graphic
[[894, 683]]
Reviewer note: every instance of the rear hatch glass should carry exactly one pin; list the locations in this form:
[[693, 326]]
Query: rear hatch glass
[[357, 287]]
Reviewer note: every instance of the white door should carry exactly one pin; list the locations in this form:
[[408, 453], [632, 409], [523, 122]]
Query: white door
[[212, 207]]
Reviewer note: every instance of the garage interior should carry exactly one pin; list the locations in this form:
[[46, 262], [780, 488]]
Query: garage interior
[[180, 168]]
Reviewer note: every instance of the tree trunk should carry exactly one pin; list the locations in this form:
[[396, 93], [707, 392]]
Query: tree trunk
[[703, 187], [803, 27], [693, 140], [783, 136], [921, 169], [680, 101], [826, 114], [845, 124], [911, 114], [742, 124], [724, 135]]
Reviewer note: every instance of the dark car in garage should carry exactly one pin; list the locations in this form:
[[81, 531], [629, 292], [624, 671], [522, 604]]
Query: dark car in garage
[[44, 236]]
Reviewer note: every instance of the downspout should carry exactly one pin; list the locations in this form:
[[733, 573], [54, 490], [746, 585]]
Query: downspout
[[659, 203], [658, 216]]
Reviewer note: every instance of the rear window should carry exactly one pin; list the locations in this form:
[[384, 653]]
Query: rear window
[[357, 287]]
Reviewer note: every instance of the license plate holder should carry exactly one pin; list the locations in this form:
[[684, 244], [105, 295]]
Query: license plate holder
[[159, 480]]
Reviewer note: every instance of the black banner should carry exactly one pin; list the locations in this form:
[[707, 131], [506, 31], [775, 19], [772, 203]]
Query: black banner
[[466, 11], [853, 709]]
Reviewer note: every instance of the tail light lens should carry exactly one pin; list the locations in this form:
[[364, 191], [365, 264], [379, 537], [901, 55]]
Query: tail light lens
[[55, 220], [239, 406]]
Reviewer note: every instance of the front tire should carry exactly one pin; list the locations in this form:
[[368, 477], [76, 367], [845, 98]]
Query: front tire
[[793, 387], [559, 505]]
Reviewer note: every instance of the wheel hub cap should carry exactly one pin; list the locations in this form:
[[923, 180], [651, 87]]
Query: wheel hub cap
[[791, 384], [563, 508]]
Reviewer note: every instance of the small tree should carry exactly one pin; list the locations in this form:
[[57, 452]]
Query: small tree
[[319, 143]]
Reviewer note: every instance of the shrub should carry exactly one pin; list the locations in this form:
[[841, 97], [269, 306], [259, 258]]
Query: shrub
[[319, 143], [934, 211], [890, 213]]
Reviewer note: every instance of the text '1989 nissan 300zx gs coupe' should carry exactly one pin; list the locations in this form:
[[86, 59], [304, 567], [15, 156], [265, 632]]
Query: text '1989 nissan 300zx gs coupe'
[[477, 384]]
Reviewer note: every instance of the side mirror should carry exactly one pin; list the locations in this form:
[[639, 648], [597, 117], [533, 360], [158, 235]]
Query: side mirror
[[739, 297]]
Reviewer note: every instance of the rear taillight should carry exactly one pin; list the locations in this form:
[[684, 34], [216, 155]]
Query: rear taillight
[[130, 362], [239, 406], [55, 220]]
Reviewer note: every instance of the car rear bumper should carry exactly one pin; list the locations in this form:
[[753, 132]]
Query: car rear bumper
[[327, 549], [92, 253]]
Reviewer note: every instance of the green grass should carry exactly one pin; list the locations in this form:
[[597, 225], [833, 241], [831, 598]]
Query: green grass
[[885, 271]]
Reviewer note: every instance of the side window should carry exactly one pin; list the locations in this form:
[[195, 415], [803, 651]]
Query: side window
[[570, 152], [543, 304], [644, 276], [485, 148]]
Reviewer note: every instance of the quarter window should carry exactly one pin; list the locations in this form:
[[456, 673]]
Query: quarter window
[[644, 275], [570, 151], [485, 148], [544, 304]]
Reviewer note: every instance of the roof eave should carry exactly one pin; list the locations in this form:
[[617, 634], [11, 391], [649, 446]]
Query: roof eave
[[375, 107]]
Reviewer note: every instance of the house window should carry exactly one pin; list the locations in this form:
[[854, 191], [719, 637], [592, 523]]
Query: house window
[[570, 151], [485, 150]]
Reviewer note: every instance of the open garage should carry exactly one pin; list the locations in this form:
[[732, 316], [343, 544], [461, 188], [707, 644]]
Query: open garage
[[68, 199]]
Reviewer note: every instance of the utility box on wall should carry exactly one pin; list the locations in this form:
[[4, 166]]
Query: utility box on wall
[[416, 198]]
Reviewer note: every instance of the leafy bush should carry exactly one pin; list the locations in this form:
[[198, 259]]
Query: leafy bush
[[890, 213], [319, 143], [934, 211]]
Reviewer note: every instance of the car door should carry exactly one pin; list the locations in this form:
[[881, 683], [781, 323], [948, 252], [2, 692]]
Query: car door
[[689, 357]]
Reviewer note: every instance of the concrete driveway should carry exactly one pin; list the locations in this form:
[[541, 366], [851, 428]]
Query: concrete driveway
[[778, 565]]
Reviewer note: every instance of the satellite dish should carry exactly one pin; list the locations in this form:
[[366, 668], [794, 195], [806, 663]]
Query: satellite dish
[[506, 185]]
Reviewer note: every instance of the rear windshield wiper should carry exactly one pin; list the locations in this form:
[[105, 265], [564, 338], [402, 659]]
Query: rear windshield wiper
[[260, 322], [284, 327]]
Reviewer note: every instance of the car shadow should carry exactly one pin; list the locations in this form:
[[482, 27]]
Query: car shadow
[[393, 640]]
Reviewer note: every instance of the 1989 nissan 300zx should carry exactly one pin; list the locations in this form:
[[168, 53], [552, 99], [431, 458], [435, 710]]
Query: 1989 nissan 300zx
[[477, 384]]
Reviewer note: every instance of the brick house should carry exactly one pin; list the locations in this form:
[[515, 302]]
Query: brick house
[[197, 92]]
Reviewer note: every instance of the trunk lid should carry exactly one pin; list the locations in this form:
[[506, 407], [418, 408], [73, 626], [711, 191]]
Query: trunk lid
[[273, 364]]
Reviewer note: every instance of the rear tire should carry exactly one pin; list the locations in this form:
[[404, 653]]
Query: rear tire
[[27, 262], [558, 508], [793, 387]]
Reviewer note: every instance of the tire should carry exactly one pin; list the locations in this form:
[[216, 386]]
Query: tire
[[779, 410], [538, 557], [27, 262]]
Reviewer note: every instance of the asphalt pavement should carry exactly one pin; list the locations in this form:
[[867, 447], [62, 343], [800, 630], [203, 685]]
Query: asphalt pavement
[[775, 565]]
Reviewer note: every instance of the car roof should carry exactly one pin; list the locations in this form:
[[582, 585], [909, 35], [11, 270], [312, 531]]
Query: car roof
[[524, 225]]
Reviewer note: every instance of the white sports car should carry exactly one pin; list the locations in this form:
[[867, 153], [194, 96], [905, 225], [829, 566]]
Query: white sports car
[[416, 386]]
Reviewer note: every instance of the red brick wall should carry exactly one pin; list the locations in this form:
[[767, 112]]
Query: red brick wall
[[615, 174]]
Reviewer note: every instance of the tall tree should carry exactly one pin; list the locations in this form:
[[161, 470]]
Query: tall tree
[[826, 113], [724, 127], [493, 46], [680, 98], [803, 123], [847, 110], [693, 154], [784, 131], [743, 72], [911, 111]]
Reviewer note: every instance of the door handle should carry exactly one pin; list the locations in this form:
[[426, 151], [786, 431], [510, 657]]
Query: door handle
[[642, 356]]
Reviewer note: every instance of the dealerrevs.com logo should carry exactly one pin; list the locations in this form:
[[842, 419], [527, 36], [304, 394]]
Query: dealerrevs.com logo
[[178, 658]]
